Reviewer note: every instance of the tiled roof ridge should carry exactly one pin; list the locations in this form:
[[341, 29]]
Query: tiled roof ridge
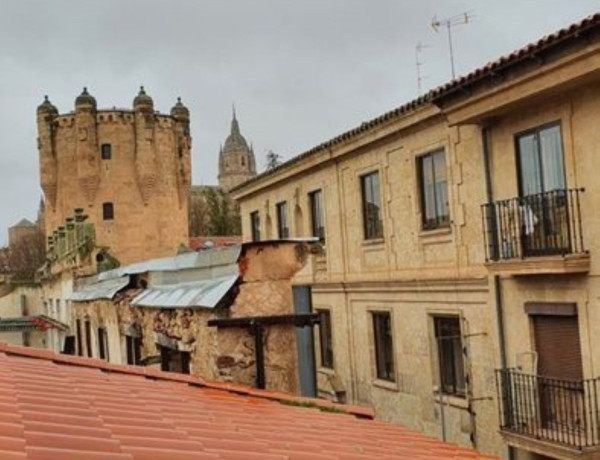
[[155, 374], [503, 61]]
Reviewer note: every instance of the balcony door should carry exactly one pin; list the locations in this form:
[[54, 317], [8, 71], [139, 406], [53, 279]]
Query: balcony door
[[560, 370], [543, 199]]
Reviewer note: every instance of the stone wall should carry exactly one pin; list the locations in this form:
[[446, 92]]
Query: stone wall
[[226, 354], [148, 172]]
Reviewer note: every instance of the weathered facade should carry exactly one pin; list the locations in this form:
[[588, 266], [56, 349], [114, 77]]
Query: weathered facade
[[158, 311], [459, 235], [123, 168]]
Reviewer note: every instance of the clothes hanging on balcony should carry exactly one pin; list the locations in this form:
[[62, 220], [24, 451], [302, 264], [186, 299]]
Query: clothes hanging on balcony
[[528, 219]]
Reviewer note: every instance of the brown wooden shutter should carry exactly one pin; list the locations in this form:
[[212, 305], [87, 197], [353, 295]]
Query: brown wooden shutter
[[558, 346]]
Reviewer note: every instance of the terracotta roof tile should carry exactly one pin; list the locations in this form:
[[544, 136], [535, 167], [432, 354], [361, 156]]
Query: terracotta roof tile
[[55, 407]]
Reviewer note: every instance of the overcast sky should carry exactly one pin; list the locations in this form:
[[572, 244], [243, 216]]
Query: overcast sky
[[298, 71]]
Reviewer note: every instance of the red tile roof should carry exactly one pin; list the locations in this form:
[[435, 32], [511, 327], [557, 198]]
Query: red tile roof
[[576, 30], [57, 407]]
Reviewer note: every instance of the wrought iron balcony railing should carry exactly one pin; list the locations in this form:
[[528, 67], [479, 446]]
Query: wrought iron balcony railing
[[543, 224], [559, 411]]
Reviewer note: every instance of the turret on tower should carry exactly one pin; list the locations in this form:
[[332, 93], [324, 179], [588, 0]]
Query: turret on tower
[[128, 170], [236, 158]]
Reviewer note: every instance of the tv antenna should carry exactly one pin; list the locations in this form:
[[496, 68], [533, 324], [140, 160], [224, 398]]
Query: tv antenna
[[459, 19], [419, 62]]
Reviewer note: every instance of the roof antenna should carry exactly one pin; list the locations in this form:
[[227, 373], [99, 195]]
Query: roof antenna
[[459, 19], [419, 62]]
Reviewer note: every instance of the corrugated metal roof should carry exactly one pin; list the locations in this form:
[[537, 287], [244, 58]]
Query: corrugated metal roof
[[203, 293], [209, 258], [94, 289]]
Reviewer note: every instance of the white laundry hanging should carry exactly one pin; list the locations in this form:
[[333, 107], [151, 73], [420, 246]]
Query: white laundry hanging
[[528, 219]]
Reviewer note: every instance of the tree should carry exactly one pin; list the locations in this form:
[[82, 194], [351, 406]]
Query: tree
[[26, 255], [273, 160], [223, 215], [198, 212]]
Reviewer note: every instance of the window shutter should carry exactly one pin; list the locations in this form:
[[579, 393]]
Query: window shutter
[[558, 346]]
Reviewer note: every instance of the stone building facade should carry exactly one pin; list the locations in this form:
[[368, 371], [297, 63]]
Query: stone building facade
[[129, 170], [236, 159], [459, 282]]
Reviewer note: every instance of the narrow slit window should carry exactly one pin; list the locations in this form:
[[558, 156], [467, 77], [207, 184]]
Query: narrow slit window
[[106, 151], [108, 211]]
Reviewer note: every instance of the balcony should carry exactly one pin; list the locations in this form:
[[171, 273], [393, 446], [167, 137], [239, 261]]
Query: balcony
[[549, 416], [535, 234]]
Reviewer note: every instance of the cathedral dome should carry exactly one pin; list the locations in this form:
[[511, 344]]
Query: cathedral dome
[[236, 159], [142, 99], [235, 140], [47, 106], [85, 98]]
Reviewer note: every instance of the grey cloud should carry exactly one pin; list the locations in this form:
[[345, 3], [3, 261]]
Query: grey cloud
[[299, 71]]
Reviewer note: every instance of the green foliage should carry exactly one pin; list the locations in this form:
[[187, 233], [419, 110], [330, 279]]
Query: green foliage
[[220, 215], [106, 262]]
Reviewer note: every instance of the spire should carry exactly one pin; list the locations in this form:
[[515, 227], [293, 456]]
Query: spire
[[235, 127]]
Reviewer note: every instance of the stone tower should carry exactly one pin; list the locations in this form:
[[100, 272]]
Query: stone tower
[[236, 159], [128, 169]]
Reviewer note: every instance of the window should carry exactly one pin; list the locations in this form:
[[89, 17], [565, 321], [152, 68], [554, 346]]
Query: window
[[255, 225], [384, 347], [102, 344], [540, 159], [105, 151], [108, 211], [316, 214], [283, 230], [450, 355], [133, 347], [371, 204], [434, 190], [325, 338], [174, 360], [88, 338]]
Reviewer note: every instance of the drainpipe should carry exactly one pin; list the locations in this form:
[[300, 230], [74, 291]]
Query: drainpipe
[[497, 283]]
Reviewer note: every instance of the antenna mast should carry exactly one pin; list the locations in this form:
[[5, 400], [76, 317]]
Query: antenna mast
[[420, 77], [459, 19]]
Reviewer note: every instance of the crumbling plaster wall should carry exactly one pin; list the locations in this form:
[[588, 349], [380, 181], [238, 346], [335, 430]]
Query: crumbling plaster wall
[[224, 354]]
